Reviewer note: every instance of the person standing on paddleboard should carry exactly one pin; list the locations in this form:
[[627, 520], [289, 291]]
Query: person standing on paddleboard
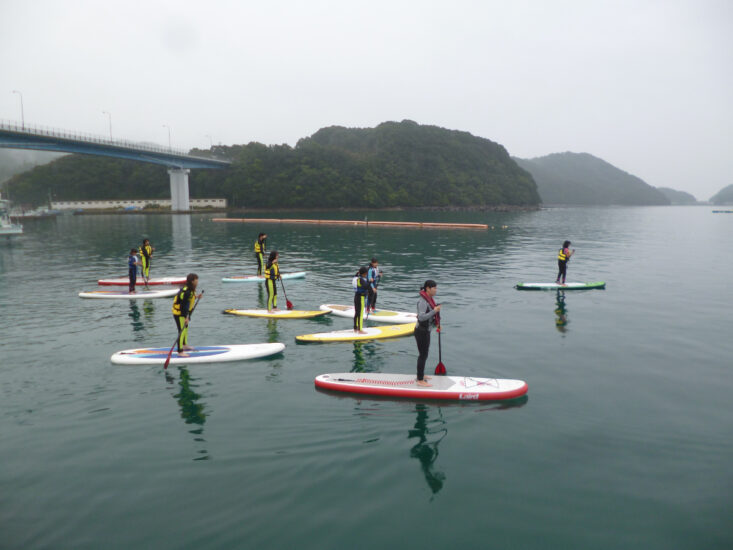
[[427, 317], [132, 263], [361, 289], [373, 277], [146, 253], [182, 305], [272, 274], [260, 252], [563, 257]]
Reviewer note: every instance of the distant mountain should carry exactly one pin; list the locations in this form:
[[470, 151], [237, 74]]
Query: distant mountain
[[16, 161], [724, 196], [580, 178], [677, 197]]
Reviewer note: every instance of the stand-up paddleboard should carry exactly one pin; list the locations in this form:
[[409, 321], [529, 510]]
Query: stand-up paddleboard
[[201, 354], [555, 286], [463, 388], [260, 278], [371, 333], [126, 294], [124, 281], [283, 314], [378, 315]]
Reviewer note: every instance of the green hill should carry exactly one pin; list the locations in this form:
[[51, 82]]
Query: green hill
[[724, 196], [677, 197], [580, 178], [395, 164]]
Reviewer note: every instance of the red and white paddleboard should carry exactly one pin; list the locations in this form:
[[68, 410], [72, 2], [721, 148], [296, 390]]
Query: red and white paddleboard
[[124, 281], [455, 388]]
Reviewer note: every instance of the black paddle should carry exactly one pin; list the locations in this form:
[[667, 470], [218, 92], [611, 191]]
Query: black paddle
[[168, 359], [288, 303]]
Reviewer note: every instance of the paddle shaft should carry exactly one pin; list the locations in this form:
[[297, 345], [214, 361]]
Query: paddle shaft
[[288, 304], [170, 352]]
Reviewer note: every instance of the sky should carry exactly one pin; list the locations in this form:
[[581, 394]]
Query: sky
[[645, 85]]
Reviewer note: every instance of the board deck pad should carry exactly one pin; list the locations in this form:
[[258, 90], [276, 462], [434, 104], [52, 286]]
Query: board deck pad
[[282, 314], [126, 294], [371, 333], [261, 278], [461, 388], [378, 316], [555, 286], [201, 354], [124, 281]]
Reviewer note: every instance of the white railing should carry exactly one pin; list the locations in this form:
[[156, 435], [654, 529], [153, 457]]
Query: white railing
[[35, 130]]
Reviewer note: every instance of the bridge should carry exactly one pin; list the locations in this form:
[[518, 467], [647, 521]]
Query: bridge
[[178, 161]]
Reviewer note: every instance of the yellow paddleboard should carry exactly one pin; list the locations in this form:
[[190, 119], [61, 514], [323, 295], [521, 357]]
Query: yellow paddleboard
[[371, 333], [283, 314]]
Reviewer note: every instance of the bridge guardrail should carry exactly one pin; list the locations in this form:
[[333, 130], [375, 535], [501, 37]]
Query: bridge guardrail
[[35, 130]]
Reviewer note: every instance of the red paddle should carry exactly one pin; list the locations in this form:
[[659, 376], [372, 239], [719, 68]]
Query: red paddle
[[168, 359], [288, 303], [440, 367]]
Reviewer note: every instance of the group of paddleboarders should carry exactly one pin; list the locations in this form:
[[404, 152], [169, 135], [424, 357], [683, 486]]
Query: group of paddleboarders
[[143, 261], [365, 284]]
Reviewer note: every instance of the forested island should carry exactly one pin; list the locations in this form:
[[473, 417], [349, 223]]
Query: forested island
[[678, 197], [396, 164], [582, 179], [724, 196]]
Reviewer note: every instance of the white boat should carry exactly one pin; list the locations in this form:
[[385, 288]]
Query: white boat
[[8, 228]]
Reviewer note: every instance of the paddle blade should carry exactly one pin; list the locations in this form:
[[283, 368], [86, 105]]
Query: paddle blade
[[289, 304], [168, 359], [440, 369]]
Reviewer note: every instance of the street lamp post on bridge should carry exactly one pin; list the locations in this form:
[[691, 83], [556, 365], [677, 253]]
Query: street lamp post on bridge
[[169, 136], [109, 116], [22, 113]]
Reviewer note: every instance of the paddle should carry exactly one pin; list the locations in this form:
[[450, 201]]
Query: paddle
[[440, 367], [288, 303], [170, 352]]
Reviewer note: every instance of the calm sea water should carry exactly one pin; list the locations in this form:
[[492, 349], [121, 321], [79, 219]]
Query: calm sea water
[[624, 440]]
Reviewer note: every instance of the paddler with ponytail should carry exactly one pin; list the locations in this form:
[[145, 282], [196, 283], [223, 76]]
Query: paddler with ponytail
[[427, 317], [182, 306], [272, 274], [563, 256], [361, 289], [260, 252]]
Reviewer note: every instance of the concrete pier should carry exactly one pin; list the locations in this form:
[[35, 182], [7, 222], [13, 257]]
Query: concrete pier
[[179, 189]]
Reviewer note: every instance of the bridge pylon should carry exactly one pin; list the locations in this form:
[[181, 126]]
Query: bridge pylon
[[179, 189]]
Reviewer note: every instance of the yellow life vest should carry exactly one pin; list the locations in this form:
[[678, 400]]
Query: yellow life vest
[[180, 297], [146, 251], [272, 273], [562, 256], [259, 246]]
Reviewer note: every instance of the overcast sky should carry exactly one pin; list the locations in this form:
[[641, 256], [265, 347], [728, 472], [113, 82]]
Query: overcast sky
[[644, 85]]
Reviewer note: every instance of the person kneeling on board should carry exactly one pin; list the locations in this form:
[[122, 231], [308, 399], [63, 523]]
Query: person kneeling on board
[[563, 257], [361, 288], [132, 263], [182, 305], [260, 245], [272, 274], [427, 317]]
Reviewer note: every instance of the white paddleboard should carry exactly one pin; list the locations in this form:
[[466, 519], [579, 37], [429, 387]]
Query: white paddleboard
[[461, 388], [378, 315], [261, 278], [126, 294], [202, 354], [555, 286], [124, 281]]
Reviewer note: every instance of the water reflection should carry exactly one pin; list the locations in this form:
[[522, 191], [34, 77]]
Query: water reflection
[[192, 410], [561, 313], [365, 357], [273, 335], [429, 434], [138, 320], [134, 315], [261, 298], [181, 229]]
